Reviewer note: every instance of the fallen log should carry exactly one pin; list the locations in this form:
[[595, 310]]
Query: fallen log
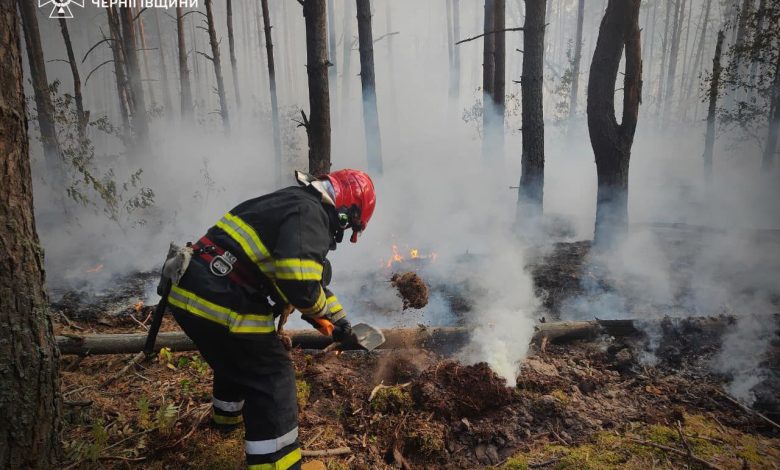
[[441, 339]]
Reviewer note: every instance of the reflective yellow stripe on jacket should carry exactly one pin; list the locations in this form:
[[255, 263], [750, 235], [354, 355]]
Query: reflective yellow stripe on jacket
[[282, 464], [295, 269], [319, 307], [234, 321]]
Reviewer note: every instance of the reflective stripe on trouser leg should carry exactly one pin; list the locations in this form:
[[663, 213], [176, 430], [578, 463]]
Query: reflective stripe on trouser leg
[[227, 402], [271, 421]]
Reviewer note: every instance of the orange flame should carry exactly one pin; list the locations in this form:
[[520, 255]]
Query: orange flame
[[96, 269], [414, 253], [138, 305]]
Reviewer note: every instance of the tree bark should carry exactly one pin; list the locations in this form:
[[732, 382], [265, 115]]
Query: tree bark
[[575, 74], [770, 150], [530, 194], [233, 60], [611, 141], [499, 74], [139, 121], [217, 62], [163, 68], [488, 80], [318, 123], [144, 50], [269, 47], [74, 70], [30, 404], [40, 83], [709, 140], [184, 71], [368, 83], [120, 71]]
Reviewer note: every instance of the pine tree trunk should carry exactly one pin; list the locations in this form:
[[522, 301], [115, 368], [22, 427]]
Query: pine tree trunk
[[488, 80], [679, 12], [184, 71], [120, 71], [233, 60], [269, 47], [368, 83], [318, 123], [709, 140], [651, 57], [664, 56], [575, 75], [455, 74], [770, 150], [332, 70], [144, 50], [40, 83], [611, 141], [697, 61], [531, 191], [217, 62], [346, 75], [139, 120], [29, 385], [163, 68], [74, 70], [499, 75]]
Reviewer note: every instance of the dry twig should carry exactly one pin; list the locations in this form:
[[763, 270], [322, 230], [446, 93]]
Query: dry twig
[[745, 408], [326, 452]]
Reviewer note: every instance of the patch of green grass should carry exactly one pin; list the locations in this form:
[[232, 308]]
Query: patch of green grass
[[303, 392], [391, 400]]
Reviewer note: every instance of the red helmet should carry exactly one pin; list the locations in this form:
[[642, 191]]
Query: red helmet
[[355, 197]]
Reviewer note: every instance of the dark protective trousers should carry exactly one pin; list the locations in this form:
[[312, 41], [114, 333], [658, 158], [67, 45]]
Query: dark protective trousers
[[253, 379]]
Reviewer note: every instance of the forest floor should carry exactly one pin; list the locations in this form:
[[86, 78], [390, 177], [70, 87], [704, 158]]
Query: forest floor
[[583, 405]]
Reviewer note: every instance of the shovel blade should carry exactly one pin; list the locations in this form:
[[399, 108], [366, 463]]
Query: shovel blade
[[367, 336]]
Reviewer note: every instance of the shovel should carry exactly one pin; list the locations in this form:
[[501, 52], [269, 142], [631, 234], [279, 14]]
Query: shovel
[[363, 335]]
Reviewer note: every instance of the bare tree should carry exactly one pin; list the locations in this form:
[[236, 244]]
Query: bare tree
[[318, 123], [368, 83], [144, 49], [531, 191], [184, 71], [30, 434], [269, 47], [217, 62], [122, 86], [575, 72], [139, 120], [611, 141], [40, 83], [233, 60], [709, 140], [74, 70]]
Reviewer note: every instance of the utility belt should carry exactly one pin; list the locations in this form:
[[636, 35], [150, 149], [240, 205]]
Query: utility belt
[[223, 263]]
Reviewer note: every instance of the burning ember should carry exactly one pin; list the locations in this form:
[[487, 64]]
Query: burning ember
[[138, 306], [414, 253], [96, 269]]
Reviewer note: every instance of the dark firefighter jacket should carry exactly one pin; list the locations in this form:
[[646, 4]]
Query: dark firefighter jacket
[[280, 239]]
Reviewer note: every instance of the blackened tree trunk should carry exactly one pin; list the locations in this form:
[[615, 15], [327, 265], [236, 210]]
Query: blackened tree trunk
[[269, 48], [139, 120], [40, 83], [217, 62], [368, 83], [499, 77], [74, 70], [531, 191], [575, 71], [709, 140], [318, 123], [163, 68], [770, 150], [233, 60], [184, 71], [488, 79], [120, 71], [29, 436], [611, 141]]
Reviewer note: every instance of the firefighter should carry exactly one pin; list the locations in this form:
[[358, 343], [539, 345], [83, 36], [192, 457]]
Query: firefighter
[[264, 257]]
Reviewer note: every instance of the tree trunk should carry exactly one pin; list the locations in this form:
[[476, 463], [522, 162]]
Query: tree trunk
[[184, 71], [530, 194], [269, 47], [368, 83], [488, 80], [233, 60], [318, 122], [575, 75], [455, 73], [709, 140], [120, 71], [217, 62], [30, 435], [697, 60], [451, 47], [651, 57], [74, 70], [40, 83], [679, 12], [611, 141], [144, 50], [346, 50], [332, 71], [499, 75], [761, 14], [770, 150], [163, 68], [139, 120], [664, 56]]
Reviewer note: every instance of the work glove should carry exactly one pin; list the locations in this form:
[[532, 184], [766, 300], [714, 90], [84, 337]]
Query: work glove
[[342, 330]]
